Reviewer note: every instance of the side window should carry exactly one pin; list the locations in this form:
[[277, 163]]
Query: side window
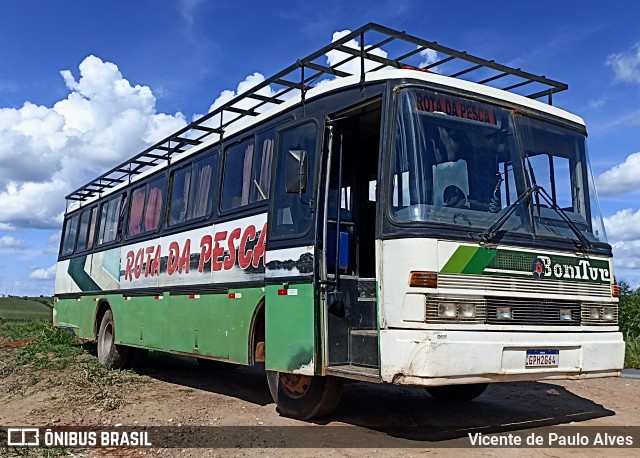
[[69, 235], [137, 209], [192, 190], [236, 183], [179, 195], [87, 229], [292, 212], [247, 171], [261, 180], [110, 218], [146, 207], [201, 193]]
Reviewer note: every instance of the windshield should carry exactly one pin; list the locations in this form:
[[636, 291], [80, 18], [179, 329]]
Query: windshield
[[464, 163]]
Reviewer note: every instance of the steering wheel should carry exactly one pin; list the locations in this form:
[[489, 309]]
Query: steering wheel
[[458, 216]]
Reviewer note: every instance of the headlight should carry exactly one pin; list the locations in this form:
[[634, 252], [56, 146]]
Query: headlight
[[503, 313], [466, 310], [447, 310], [565, 315], [594, 313], [608, 313]]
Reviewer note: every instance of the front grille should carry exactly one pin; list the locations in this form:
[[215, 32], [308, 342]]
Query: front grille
[[432, 303], [539, 312], [524, 311], [588, 321], [524, 285]]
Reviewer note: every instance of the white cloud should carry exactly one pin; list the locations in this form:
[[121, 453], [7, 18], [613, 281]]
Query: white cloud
[[623, 177], [429, 56], [353, 66], [7, 241], [597, 103], [48, 151], [624, 225], [626, 65], [245, 104], [44, 274]]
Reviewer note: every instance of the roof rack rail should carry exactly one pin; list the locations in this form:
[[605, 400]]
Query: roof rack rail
[[401, 50]]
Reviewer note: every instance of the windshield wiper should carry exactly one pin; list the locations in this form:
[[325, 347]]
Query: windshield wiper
[[490, 233], [582, 241]]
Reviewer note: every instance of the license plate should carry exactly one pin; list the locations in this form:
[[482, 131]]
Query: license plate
[[542, 358]]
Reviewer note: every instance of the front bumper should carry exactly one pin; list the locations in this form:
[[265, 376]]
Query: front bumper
[[430, 358]]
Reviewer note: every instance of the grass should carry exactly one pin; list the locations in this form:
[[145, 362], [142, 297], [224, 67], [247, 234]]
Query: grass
[[632, 354], [26, 308], [47, 349]]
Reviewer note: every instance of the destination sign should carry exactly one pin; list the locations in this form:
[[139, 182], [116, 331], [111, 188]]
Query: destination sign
[[453, 106]]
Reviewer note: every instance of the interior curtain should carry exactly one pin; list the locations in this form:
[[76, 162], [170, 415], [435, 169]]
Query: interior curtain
[[246, 175], [137, 208], [154, 204], [265, 167], [185, 196]]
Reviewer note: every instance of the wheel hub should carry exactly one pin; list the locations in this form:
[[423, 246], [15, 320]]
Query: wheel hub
[[295, 384]]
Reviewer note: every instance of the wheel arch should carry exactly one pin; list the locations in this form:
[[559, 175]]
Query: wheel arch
[[101, 309], [256, 331]]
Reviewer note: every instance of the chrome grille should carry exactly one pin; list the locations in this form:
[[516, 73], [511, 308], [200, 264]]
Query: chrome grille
[[533, 312], [524, 285], [432, 303], [588, 321]]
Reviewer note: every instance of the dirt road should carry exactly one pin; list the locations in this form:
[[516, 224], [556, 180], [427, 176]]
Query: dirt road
[[176, 392]]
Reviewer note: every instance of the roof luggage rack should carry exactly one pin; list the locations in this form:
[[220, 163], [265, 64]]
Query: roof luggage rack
[[401, 50]]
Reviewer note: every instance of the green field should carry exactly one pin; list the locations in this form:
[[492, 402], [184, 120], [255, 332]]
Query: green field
[[26, 308]]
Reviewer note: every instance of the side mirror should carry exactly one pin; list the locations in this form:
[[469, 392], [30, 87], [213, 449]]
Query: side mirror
[[295, 171]]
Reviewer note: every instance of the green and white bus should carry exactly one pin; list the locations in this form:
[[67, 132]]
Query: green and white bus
[[379, 218]]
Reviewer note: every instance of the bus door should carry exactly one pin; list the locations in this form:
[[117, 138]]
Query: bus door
[[349, 265]]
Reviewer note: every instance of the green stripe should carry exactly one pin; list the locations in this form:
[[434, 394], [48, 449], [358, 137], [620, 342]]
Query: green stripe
[[479, 261], [459, 259], [469, 260]]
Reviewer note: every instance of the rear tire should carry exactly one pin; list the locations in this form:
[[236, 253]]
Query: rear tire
[[455, 393], [302, 396], [110, 355]]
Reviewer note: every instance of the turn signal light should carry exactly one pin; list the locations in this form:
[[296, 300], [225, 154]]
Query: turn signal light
[[615, 291], [423, 279]]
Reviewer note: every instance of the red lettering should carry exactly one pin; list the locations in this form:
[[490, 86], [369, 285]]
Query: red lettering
[[172, 261], [244, 254], [137, 269], [185, 258], [259, 249], [128, 269], [155, 265], [149, 251], [216, 263], [205, 251], [230, 260]]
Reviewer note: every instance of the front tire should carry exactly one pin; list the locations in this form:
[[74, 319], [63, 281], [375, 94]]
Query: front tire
[[457, 392], [302, 396], [110, 355]]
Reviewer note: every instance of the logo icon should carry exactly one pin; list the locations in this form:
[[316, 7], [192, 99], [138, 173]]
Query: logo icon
[[537, 268], [23, 437]]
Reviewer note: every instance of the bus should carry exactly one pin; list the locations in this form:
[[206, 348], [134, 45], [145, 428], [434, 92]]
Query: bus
[[400, 213]]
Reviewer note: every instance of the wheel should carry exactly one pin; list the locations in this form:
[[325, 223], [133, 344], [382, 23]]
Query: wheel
[[109, 354], [213, 365], [302, 396], [457, 392]]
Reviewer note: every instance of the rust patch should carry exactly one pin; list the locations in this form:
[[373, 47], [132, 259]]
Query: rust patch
[[260, 352], [16, 343]]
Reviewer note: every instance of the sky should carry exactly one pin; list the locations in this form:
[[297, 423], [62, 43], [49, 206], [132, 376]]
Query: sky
[[86, 84]]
